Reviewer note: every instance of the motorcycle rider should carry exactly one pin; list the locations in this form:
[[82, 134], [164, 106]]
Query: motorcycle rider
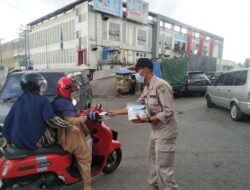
[[31, 122], [31, 118], [63, 106]]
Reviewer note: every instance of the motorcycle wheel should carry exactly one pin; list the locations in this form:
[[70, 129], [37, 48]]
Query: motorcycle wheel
[[114, 161]]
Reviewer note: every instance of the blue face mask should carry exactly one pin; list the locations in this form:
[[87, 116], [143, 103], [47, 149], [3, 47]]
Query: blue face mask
[[139, 78]]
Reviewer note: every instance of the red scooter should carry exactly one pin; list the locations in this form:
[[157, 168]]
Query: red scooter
[[52, 168]]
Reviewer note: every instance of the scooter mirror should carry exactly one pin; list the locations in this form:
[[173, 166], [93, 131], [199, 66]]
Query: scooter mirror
[[98, 105], [105, 115]]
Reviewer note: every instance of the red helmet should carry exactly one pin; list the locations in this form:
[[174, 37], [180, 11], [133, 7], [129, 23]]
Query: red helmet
[[66, 85]]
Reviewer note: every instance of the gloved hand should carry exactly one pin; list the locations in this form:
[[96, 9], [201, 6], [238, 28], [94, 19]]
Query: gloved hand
[[94, 116]]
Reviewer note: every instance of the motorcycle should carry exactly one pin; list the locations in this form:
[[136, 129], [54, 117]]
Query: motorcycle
[[52, 168]]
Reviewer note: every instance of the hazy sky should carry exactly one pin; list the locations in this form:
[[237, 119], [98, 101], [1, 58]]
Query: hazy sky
[[227, 18]]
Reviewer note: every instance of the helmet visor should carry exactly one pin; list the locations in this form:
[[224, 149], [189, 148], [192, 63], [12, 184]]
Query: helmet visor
[[74, 86], [43, 84]]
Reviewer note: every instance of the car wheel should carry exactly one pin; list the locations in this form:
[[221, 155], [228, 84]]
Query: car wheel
[[235, 113], [210, 104]]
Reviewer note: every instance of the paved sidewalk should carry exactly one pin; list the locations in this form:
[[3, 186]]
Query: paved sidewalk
[[107, 72]]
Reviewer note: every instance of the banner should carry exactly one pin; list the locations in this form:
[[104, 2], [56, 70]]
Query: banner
[[189, 41], [137, 10], [201, 44], [113, 7], [179, 37], [211, 47]]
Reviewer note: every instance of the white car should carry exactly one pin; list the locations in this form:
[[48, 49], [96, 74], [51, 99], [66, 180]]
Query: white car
[[231, 91]]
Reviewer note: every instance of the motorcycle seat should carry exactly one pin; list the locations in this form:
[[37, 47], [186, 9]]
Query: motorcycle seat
[[11, 152]]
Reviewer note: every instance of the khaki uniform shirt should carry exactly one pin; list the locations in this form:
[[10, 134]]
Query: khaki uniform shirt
[[158, 96]]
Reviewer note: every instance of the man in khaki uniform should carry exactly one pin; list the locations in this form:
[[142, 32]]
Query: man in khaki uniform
[[158, 96]]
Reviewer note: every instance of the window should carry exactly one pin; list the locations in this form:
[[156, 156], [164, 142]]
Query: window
[[167, 25], [229, 79], [104, 30], [220, 81], [240, 78], [177, 46], [78, 34], [149, 37], [198, 76], [114, 32], [78, 11], [82, 56], [12, 88], [52, 79], [82, 18], [142, 37], [124, 33]]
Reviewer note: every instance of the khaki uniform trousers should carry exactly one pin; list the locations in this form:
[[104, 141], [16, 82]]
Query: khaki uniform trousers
[[160, 162], [75, 143]]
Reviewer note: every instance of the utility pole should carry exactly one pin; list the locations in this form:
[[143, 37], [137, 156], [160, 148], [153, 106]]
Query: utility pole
[[26, 30]]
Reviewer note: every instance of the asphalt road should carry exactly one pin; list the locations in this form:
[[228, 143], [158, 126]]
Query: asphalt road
[[213, 152]]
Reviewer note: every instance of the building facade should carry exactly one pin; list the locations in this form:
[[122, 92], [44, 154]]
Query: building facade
[[7, 54], [79, 34]]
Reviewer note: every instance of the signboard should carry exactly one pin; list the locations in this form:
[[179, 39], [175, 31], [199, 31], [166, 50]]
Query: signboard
[[137, 10], [113, 7], [180, 37]]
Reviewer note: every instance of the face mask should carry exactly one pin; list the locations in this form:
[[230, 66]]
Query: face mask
[[139, 78]]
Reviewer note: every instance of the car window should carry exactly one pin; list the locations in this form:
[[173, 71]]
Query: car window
[[220, 81], [52, 79], [12, 87], [229, 79], [196, 76], [240, 78]]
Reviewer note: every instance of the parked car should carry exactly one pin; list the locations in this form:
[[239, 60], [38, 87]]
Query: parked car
[[231, 91], [11, 89], [197, 82]]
